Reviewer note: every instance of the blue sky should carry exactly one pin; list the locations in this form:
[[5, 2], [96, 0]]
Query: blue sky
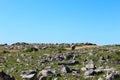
[[58, 21]]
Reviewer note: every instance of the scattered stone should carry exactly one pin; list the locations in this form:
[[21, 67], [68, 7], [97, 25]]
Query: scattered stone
[[54, 72], [112, 75], [68, 59], [100, 78], [43, 48], [69, 55], [55, 79], [75, 73], [43, 78], [4, 76], [98, 71], [84, 69], [71, 62], [18, 60], [30, 74], [65, 69], [90, 66], [46, 72], [102, 59], [89, 73], [90, 54]]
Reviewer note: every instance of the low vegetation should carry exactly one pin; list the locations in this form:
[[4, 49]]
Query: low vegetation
[[59, 63]]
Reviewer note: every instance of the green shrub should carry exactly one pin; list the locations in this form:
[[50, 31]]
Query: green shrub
[[5, 51], [31, 49]]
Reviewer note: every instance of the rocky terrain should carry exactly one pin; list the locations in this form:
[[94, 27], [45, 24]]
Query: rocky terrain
[[76, 61]]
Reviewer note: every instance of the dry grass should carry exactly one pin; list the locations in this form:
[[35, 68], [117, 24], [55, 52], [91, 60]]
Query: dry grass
[[10, 51]]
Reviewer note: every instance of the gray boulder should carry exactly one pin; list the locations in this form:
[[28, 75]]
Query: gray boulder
[[46, 72], [65, 69], [90, 66], [29, 75], [89, 73], [73, 62], [75, 73]]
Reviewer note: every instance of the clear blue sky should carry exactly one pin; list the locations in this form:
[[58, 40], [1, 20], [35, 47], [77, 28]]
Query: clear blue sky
[[37, 21]]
